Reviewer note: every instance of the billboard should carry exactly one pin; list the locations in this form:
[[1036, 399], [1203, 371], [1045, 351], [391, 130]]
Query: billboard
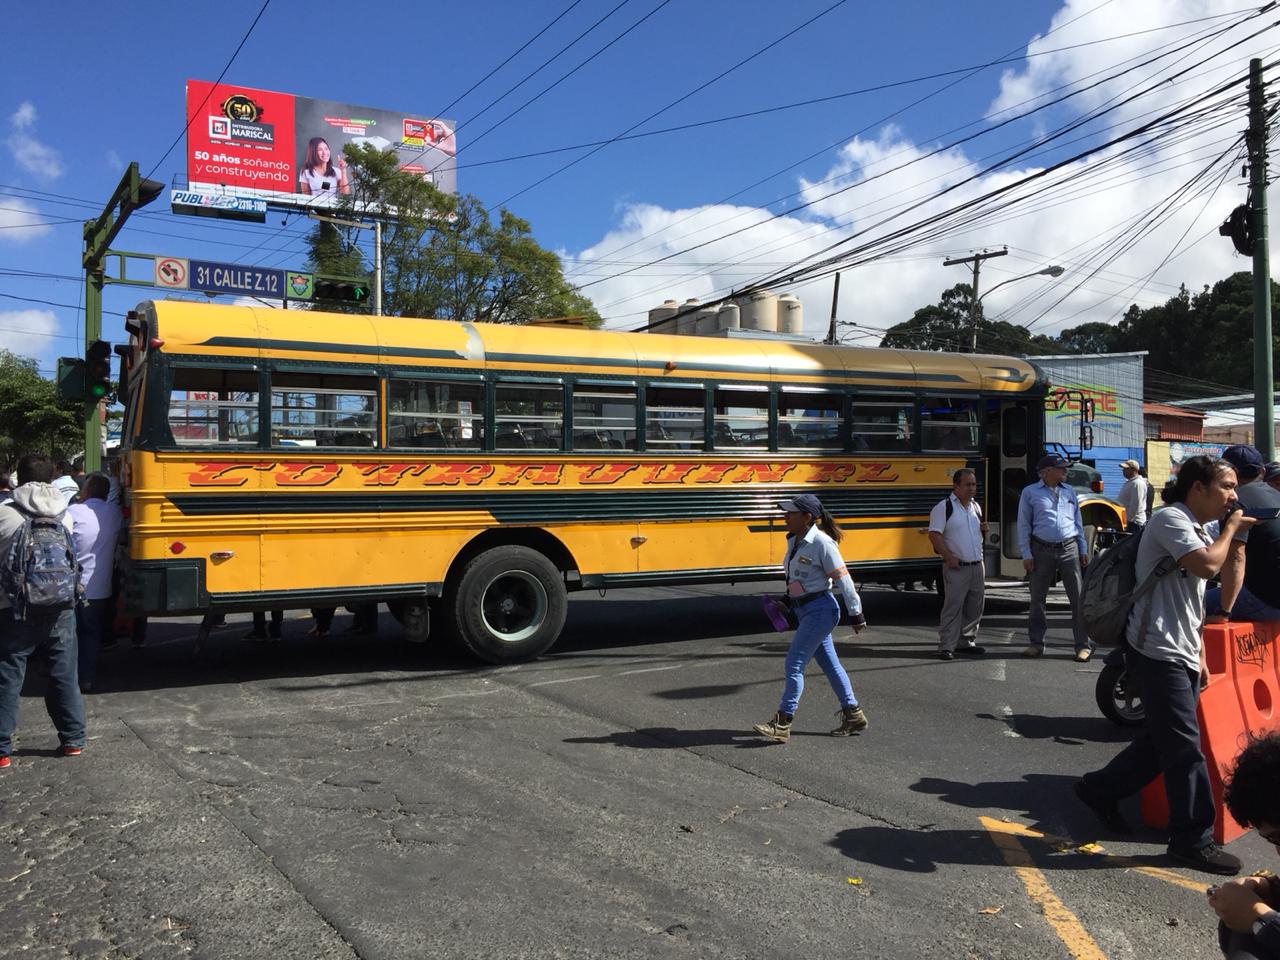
[[288, 150]]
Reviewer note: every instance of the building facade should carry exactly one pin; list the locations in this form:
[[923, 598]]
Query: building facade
[[1114, 382]]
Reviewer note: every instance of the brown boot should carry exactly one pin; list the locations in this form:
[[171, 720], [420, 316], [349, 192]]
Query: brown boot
[[779, 728], [852, 720]]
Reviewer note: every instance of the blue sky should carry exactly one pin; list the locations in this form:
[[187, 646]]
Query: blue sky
[[85, 89]]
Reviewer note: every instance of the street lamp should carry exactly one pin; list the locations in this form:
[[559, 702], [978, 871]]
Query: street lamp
[[1054, 271]]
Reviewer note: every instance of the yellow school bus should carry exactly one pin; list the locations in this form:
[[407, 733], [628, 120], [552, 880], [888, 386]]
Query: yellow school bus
[[471, 475]]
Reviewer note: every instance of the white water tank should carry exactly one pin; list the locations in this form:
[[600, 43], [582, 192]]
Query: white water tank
[[760, 312], [790, 314], [729, 317], [687, 321], [708, 320], [660, 317]]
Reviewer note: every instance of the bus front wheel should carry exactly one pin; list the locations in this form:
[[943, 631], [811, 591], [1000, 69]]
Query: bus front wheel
[[510, 604]]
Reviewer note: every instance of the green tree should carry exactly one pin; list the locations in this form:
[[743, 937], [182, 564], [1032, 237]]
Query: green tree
[[1094, 337], [945, 325], [444, 257], [31, 419]]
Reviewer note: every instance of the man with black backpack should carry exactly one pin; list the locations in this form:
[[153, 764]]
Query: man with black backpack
[[39, 591]]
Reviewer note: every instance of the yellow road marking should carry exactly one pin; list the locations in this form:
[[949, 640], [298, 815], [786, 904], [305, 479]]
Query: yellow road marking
[[1168, 876], [1065, 923]]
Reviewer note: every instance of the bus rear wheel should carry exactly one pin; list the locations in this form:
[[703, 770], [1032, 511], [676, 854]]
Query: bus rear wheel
[[509, 605]]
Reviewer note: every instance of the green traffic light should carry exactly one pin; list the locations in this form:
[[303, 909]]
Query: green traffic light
[[359, 293], [98, 391]]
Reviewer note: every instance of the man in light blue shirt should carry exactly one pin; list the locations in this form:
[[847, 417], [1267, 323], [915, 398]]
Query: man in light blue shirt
[[1051, 536]]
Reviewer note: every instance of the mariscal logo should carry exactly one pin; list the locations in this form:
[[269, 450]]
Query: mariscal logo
[[242, 116], [242, 108]]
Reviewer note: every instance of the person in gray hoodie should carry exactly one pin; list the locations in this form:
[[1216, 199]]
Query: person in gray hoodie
[[53, 633]]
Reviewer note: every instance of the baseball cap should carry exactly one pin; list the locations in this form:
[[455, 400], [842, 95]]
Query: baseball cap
[[1246, 459], [1051, 460], [1272, 470], [804, 503], [1131, 463]]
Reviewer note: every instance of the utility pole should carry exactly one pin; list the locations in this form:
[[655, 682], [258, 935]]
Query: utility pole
[[1264, 428], [976, 260], [835, 299]]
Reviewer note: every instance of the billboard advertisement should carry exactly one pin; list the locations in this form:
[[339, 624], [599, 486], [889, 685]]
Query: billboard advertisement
[[288, 150]]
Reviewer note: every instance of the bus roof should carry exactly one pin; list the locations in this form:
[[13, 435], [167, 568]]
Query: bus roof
[[254, 333]]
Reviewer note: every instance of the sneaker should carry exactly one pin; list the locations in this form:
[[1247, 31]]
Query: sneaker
[[70, 751], [1210, 858], [971, 649], [946, 655], [779, 728], [5, 762], [1082, 656], [852, 720], [1032, 651], [1106, 809]]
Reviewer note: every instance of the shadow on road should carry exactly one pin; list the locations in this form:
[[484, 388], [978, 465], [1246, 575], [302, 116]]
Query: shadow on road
[[671, 738], [1069, 731]]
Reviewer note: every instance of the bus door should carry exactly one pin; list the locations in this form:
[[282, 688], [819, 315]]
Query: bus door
[[1007, 479]]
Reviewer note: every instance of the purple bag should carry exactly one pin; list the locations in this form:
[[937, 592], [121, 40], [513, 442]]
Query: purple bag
[[779, 615]]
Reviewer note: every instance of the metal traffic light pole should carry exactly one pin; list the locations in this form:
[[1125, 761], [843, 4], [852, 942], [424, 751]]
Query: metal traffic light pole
[[132, 192]]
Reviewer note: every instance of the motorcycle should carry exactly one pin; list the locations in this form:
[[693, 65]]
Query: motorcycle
[[1117, 694]]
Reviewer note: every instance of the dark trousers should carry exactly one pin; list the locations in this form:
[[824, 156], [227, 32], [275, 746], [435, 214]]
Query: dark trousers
[[54, 635], [93, 619], [260, 624], [1051, 562], [1169, 745]]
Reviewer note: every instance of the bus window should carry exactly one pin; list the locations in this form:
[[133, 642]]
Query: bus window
[[809, 421], [604, 416], [213, 407], [673, 418], [741, 419], [882, 425], [528, 416], [430, 413], [323, 410], [948, 424]]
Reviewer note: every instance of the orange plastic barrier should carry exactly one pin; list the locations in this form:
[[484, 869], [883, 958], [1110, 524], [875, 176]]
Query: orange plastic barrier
[[1243, 697]]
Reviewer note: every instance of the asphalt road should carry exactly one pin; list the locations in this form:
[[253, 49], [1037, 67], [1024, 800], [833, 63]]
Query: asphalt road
[[365, 798]]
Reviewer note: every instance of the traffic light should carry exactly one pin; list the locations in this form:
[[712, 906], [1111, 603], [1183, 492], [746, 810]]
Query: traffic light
[[97, 371], [70, 380], [341, 289]]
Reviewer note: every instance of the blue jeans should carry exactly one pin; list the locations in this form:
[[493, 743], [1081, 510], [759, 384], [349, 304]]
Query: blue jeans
[[1247, 608], [54, 635], [1170, 744], [817, 619]]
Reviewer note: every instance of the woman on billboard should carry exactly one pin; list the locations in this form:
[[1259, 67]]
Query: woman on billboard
[[320, 174]]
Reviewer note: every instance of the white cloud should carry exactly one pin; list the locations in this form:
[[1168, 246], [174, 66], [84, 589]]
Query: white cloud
[[37, 158], [114, 161], [19, 221], [889, 174], [29, 333]]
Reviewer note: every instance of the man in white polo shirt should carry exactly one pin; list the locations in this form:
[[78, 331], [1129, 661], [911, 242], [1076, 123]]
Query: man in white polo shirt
[[957, 530]]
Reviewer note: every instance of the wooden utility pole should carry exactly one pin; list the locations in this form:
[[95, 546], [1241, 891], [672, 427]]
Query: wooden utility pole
[[976, 260], [835, 299]]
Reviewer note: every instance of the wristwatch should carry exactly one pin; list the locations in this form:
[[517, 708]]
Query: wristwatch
[[1225, 614], [1258, 924]]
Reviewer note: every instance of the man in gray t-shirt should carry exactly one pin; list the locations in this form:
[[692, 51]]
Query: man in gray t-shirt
[[1165, 624], [1165, 662]]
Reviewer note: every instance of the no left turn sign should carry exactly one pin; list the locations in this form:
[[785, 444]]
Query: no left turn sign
[[172, 272]]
